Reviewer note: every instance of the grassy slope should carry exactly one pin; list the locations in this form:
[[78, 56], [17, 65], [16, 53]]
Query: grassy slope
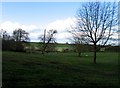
[[65, 69]]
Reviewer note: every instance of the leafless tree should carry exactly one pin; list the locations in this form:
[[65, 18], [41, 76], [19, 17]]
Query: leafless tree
[[47, 39], [20, 35], [4, 35], [79, 42], [95, 21]]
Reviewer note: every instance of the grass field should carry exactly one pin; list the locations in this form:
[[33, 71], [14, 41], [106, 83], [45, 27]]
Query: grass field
[[65, 70], [60, 47]]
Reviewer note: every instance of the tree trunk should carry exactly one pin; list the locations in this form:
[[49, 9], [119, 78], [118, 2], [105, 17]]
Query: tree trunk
[[43, 50], [94, 58]]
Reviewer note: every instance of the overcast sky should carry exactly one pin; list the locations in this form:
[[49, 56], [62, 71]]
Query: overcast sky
[[34, 17]]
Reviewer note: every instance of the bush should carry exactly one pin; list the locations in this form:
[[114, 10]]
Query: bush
[[11, 45]]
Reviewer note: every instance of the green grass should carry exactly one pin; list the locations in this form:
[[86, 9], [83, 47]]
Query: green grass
[[24, 70], [59, 47]]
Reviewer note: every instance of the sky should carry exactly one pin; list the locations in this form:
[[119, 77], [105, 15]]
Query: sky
[[34, 17]]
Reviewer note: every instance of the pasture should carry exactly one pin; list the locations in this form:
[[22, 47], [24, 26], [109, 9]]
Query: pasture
[[65, 70]]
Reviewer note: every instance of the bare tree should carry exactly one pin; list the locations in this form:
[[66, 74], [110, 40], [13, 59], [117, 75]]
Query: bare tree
[[47, 39], [95, 21], [4, 35], [79, 42], [20, 35]]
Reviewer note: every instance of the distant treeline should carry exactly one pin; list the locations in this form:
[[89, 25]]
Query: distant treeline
[[11, 45], [106, 48], [15, 42], [19, 42]]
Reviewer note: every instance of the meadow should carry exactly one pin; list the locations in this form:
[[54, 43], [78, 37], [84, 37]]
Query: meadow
[[65, 70]]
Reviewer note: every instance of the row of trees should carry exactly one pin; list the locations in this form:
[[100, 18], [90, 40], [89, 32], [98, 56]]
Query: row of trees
[[19, 40], [95, 21]]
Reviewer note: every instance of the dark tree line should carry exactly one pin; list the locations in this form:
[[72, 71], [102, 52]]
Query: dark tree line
[[16, 41]]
